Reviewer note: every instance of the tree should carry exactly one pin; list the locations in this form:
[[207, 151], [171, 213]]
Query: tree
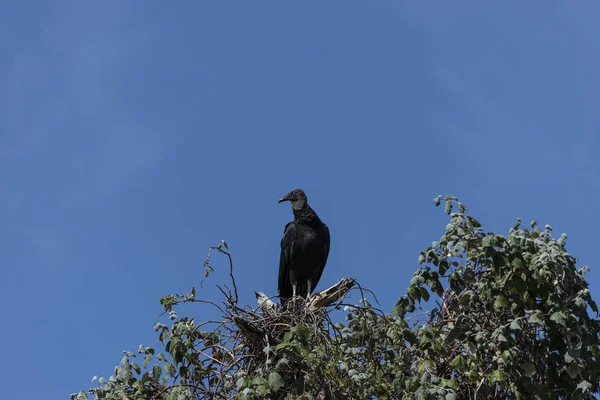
[[486, 316]]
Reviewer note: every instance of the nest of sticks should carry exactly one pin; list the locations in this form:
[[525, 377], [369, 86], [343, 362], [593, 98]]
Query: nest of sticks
[[267, 325]]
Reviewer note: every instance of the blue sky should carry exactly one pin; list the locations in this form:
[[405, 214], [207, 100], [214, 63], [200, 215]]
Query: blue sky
[[134, 135]]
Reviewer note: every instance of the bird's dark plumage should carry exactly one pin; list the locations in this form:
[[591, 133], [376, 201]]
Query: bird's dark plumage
[[304, 249]]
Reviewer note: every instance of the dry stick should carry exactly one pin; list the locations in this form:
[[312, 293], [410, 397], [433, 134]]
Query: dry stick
[[235, 291], [219, 248], [328, 296]]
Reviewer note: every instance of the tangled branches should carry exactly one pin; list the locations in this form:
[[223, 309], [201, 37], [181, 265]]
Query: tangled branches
[[221, 358], [513, 321]]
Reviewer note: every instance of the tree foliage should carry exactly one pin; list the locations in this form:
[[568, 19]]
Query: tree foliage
[[486, 316]]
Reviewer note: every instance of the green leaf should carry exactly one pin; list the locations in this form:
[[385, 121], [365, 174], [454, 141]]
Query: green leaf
[[497, 376], [240, 383], [593, 306], [261, 390], [570, 356], [515, 259], [517, 285], [488, 241], [426, 365], [528, 369], [501, 303], [559, 317], [579, 302], [170, 368], [584, 386], [443, 268], [449, 383], [537, 319], [156, 372], [147, 360], [473, 376], [437, 201], [161, 357], [499, 260], [436, 287], [413, 292], [417, 280], [473, 221], [573, 370], [471, 348], [301, 330], [448, 208], [515, 325], [459, 363], [464, 299], [258, 381], [276, 382], [283, 346], [136, 368]]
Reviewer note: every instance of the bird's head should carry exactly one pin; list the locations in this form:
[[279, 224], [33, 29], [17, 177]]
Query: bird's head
[[297, 198]]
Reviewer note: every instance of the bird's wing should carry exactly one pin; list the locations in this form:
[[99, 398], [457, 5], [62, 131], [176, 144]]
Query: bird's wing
[[285, 259], [326, 242]]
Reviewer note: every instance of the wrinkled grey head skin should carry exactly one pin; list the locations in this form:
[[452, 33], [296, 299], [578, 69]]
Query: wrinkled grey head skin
[[297, 197]]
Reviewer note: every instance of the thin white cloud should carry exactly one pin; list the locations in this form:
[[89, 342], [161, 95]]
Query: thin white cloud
[[68, 78], [584, 159], [125, 152], [128, 151], [73, 75], [582, 18]]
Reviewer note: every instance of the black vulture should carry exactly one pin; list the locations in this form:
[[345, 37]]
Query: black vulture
[[304, 249]]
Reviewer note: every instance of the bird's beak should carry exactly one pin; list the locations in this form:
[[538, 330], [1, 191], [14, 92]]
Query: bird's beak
[[284, 198]]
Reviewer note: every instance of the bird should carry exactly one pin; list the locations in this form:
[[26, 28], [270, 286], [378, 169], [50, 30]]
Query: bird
[[304, 249], [265, 303]]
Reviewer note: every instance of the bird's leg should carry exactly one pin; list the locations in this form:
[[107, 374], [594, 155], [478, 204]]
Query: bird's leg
[[308, 287], [293, 290]]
